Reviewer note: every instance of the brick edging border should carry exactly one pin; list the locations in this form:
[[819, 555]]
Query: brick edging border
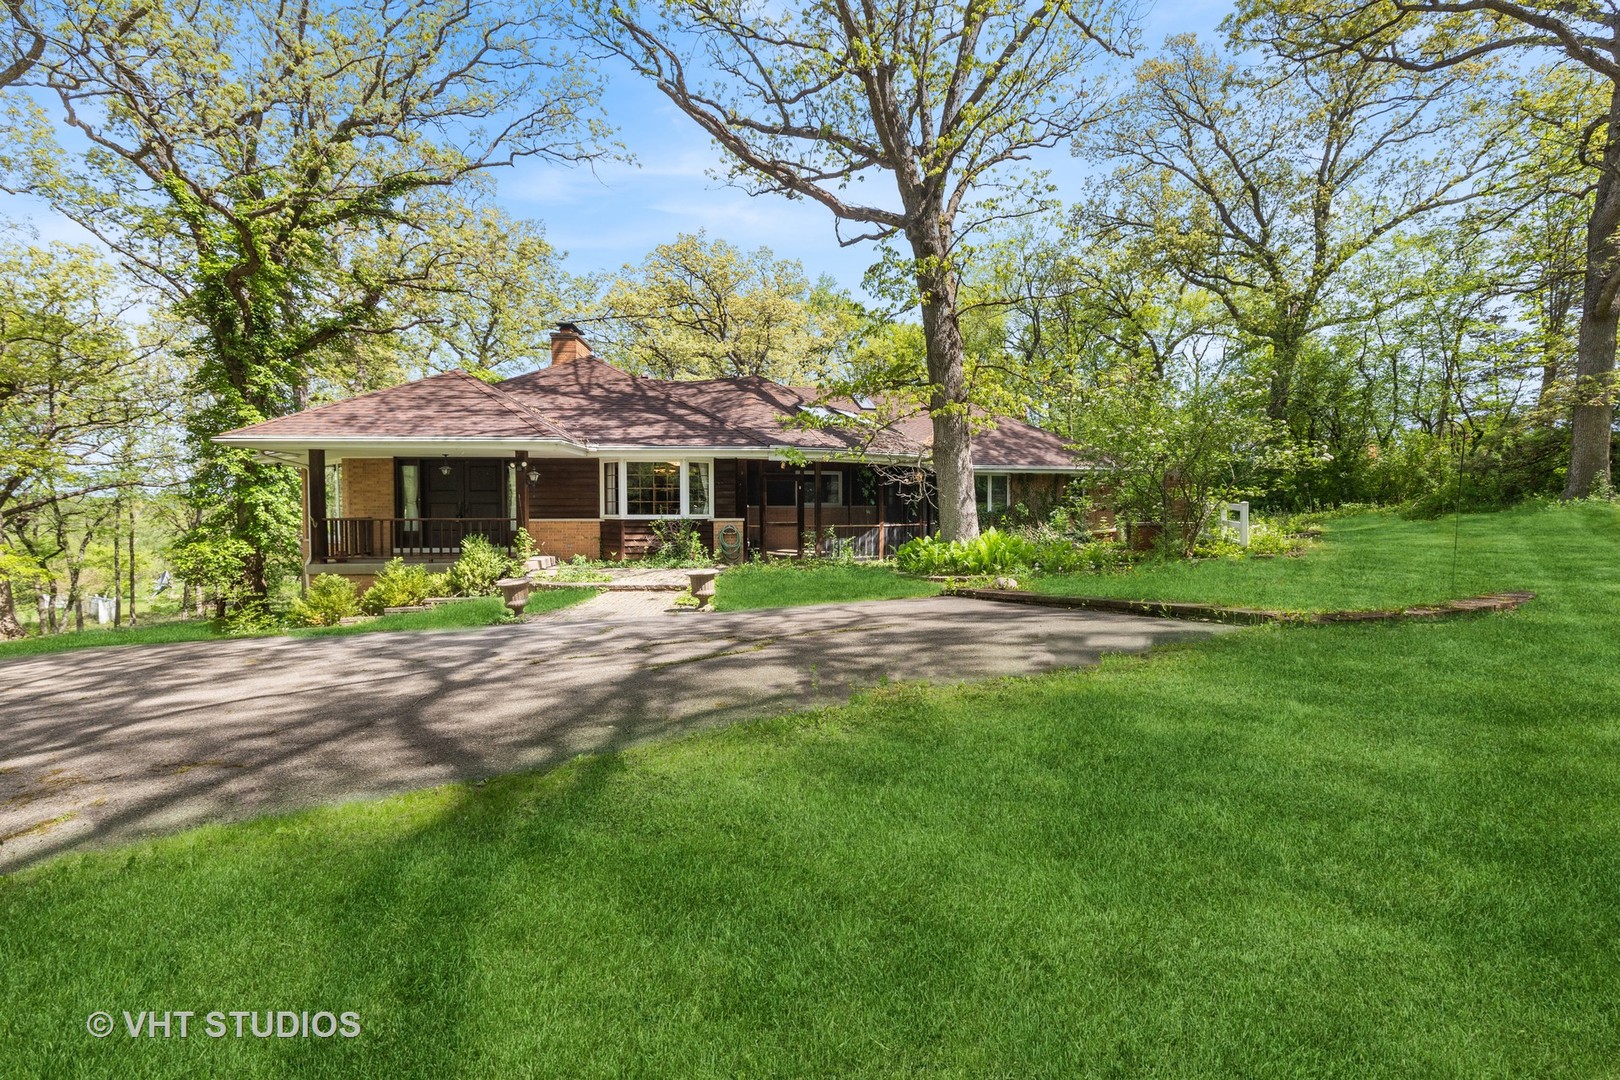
[[1504, 601], [605, 586]]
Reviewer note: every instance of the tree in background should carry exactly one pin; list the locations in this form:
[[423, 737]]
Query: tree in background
[[1541, 217], [938, 102], [1433, 36], [1176, 441], [73, 386], [473, 288], [241, 152], [703, 309], [24, 42], [1266, 186]]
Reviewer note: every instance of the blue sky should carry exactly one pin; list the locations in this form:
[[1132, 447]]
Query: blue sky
[[615, 215]]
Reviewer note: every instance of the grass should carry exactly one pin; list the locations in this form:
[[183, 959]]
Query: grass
[[1344, 851], [770, 585], [484, 611], [1371, 561]]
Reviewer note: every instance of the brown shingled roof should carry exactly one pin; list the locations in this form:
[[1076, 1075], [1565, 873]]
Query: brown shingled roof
[[589, 402], [451, 405]]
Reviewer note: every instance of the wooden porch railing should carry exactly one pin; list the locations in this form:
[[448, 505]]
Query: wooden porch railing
[[869, 541], [384, 538]]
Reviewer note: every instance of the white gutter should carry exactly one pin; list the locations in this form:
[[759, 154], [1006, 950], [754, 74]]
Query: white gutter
[[426, 446]]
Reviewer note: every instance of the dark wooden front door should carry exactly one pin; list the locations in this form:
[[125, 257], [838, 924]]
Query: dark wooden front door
[[471, 489]]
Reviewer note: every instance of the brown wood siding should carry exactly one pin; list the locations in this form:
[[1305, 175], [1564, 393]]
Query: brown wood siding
[[725, 487], [568, 488], [625, 540]]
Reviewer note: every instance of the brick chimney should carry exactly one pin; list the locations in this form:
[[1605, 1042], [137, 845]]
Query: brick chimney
[[567, 343]]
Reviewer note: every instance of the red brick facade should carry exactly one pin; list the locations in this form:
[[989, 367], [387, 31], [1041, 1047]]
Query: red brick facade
[[567, 537]]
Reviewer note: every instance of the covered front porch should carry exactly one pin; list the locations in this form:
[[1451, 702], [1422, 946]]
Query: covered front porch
[[824, 507], [371, 510], [363, 511]]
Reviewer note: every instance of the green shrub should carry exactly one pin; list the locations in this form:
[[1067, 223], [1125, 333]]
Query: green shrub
[[401, 585], [997, 552], [1267, 539], [1057, 557], [992, 551], [481, 565], [677, 542], [249, 618], [331, 599]]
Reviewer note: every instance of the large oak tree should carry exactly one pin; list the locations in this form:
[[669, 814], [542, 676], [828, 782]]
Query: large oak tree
[[239, 152], [939, 103]]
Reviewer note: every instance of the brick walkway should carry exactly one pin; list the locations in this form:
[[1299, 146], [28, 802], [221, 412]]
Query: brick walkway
[[614, 606]]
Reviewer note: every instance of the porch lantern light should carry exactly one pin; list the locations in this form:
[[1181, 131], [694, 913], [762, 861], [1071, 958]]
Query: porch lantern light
[[528, 469], [444, 470]]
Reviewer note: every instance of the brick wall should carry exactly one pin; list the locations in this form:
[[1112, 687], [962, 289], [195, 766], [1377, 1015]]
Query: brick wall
[[368, 487], [720, 524], [567, 537]]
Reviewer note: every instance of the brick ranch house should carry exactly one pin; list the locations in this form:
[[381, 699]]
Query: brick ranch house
[[586, 458]]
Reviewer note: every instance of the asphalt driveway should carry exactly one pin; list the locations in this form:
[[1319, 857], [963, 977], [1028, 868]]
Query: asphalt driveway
[[103, 745]]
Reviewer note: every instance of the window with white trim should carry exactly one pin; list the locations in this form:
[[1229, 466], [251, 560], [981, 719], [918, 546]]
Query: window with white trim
[[652, 488], [610, 488], [699, 484], [832, 489], [658, 489], [990, 492]]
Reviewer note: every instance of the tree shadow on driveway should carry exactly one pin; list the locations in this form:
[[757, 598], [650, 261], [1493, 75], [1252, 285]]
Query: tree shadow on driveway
[[98, 747]]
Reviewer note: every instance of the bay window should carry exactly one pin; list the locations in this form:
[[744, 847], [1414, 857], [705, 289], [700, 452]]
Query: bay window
[[657, 489]]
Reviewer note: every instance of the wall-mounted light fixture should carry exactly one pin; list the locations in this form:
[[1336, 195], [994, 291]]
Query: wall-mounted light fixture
[[444, 470]]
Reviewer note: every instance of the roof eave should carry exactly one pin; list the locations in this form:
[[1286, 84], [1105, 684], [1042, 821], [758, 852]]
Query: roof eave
[[403, 445]]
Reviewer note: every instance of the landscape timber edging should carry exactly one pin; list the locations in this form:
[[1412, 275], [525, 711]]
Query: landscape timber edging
[[1504, 601]]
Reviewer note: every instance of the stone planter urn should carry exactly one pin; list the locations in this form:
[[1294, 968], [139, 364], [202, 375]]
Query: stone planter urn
[[515, 591], [702, 586]]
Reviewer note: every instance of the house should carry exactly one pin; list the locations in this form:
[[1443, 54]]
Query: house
[[588, 458]]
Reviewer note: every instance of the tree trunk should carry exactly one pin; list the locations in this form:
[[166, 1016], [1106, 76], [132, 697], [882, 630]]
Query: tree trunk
[[75, 602], [132, 562], [117, 575], [1591, 430], [948, 394], [10, 628]]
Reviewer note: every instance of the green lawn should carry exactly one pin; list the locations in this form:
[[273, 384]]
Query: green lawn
[[484, 611], [1353, 851], [769, 585], [1364, 562]]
